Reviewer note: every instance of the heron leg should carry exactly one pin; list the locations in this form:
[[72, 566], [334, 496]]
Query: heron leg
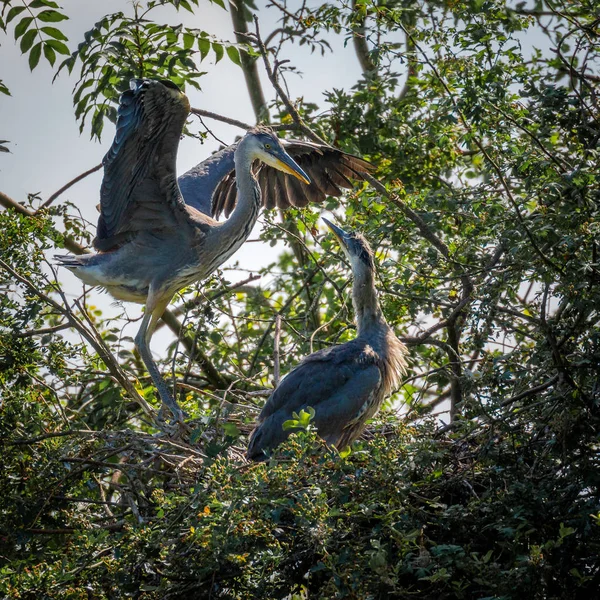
[[154, 310]]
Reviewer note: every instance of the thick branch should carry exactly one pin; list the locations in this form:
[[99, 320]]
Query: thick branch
[[360, 44], [249, 67]]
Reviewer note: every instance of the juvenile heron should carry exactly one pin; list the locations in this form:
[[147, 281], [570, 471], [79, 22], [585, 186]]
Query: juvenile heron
[[150, 243], [345, 384]]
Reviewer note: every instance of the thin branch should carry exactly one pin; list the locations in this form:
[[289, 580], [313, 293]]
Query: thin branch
[[200, 298], [426, 231], [276, 366], [71, 183], [211, 115], [212, 374], [272, 74], [281, 311], [531, 392], [70, 244], [550, 263], [94, 340], [43, 331]]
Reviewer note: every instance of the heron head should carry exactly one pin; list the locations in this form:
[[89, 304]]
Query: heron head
[[268, 149], [355, 247]]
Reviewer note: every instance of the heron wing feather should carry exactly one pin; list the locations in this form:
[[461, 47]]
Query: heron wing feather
[[337, 385], [329, 169], [318, 377], [139, 190]]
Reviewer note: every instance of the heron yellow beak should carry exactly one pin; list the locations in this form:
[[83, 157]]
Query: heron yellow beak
[[284, 162], [295, 171]]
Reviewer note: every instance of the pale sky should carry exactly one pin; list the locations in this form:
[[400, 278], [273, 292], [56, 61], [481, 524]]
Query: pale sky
[[47, 150]]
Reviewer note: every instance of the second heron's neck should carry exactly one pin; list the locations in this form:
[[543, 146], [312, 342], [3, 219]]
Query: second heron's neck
[[242, 220], [369, 318]]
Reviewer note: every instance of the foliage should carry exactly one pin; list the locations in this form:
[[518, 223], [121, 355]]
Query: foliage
[[35, 30], [486, 228], [121, 46]]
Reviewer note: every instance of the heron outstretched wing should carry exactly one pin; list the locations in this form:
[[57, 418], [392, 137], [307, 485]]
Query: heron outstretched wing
[[338, 383], [210, 187], [329, 169], [139, 190]]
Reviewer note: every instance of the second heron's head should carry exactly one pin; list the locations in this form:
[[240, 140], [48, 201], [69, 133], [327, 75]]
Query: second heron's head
[[266, 147], [355, 247]]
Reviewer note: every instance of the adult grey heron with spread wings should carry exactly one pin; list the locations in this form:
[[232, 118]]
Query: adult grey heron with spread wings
[[152, 240], [346, 384]]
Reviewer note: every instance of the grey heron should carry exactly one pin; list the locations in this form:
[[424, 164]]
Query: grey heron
[[345, 384], [151, 242]]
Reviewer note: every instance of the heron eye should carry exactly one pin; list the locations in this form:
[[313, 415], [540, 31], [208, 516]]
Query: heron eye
[[267, 146]]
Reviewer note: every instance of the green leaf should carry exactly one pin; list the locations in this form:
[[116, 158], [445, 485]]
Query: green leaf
[[188, 40], [27, 40], [58, 46], [346, 452], [13, 12], [204, 47], [234, 55], [55, 33], [51, 16], [306, 416], [49, 54], [42, 3], [291, 424], [231, 430], [22, 27], [218, 50], [34, 56]]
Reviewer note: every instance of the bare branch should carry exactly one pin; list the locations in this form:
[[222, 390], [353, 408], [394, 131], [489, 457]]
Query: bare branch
[[211, 115], [71, 183]]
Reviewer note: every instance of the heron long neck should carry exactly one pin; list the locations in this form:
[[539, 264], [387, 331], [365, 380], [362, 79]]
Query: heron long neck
[[237, 228], [369, 318]]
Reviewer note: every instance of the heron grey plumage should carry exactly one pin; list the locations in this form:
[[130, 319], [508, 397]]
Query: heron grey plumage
[[345, 384], [210, 186], [151, 243]]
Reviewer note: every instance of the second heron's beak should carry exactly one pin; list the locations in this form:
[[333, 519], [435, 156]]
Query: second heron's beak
[[339, 233], [284, 162]]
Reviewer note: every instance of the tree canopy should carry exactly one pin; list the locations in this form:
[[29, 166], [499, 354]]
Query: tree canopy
[[482, 120]]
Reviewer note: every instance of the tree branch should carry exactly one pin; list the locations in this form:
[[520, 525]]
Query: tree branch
[[71, 183], [249, 67], [93, 339], [70, 244]]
